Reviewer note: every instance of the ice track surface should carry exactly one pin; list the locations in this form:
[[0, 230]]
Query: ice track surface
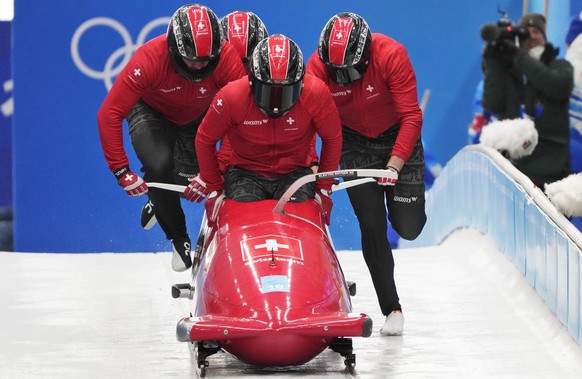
[[469, 314]]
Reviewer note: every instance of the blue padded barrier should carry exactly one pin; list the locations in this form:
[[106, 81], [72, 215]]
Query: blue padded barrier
[[519, 230], [481, 189], [574, 279], [562, 277], [551, 267]]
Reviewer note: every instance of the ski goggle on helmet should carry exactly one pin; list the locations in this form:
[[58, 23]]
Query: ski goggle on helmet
[[276, 76], [344, 47], [194, 34]]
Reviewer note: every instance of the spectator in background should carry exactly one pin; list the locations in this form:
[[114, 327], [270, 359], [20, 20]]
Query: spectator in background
[[574, 56], [164, 92], [374, 87], [529, 81]]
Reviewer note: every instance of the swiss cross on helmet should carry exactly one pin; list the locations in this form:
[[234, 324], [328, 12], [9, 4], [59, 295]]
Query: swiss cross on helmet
[[344, 47], [194, 35], [276, 76], [243, 30]]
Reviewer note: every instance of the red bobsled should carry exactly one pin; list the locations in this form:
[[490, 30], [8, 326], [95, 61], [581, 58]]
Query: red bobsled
[[267, 288]]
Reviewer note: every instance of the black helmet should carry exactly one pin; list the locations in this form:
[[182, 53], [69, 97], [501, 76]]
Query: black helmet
[[243, 30], [344, 47], [194, 34], [276, 75]]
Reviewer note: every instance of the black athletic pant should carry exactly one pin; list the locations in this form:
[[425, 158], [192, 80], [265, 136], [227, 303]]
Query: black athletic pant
[[403, 203], [167, 153], [245, 186]]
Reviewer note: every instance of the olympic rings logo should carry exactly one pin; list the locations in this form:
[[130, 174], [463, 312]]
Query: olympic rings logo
[[109, 72]]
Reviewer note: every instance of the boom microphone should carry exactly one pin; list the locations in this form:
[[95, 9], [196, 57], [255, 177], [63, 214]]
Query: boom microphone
[[490, 32]]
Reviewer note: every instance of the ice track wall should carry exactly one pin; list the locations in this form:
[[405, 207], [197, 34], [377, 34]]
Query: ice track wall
[[480, 189]]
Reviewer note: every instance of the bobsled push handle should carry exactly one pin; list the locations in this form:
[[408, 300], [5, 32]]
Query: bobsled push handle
[[366, 174], [167, 186], [361, 173], [335, 187]]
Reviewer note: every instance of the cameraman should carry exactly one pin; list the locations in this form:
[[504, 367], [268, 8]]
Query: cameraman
[[523, 79]]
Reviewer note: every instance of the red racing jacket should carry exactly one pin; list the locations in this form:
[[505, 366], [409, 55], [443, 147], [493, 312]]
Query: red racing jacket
[[150, 76], [385, 96], [271, 147]]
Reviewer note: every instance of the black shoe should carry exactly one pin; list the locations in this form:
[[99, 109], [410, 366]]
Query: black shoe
[[148, 217], [181, 258]]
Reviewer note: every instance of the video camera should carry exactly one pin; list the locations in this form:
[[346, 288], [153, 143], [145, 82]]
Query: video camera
[[504, 29]]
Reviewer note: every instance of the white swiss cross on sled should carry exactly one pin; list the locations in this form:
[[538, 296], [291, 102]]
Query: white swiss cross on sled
[[271, 245]]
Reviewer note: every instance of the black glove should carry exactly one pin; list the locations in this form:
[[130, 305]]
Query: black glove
[[549, 54]]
